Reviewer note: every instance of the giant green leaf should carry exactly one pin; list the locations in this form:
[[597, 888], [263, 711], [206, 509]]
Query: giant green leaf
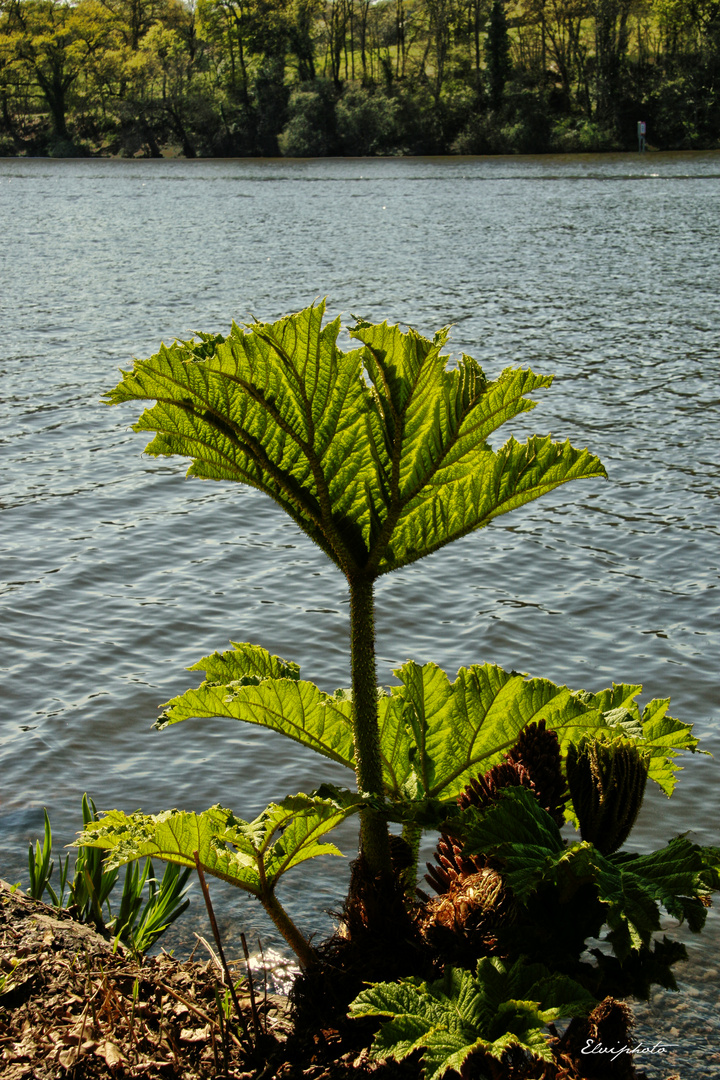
[[245, 665], [380, 455], [487, 1013], [664, 736], [435, 735], [289, 705], [458, 730], [661, 735], [250, 854], [681, 877], [445, 510], [526, 841]]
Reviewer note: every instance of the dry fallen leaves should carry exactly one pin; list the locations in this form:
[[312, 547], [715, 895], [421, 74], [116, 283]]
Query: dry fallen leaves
[[71, 1006]]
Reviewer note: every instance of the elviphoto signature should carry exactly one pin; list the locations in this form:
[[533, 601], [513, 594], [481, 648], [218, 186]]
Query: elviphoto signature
[[593, 1046]]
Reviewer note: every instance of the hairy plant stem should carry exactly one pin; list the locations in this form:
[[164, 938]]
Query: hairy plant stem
[[374, 837], [299, 944], [412, 835]]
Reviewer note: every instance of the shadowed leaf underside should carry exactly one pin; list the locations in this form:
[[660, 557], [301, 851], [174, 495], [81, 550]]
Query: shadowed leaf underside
[[528, 844]]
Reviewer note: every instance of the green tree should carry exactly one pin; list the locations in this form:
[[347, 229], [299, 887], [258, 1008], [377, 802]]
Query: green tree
[[441, 14], [565, 46], [301, 37], [477, 19], [166, 58], [248, 42], [497, 52], [47, 47], [133, 18], [612, 38]]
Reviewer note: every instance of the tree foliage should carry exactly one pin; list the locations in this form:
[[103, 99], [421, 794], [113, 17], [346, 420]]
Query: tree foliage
[[316, 77]]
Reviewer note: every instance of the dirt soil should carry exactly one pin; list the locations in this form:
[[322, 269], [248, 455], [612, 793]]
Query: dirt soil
[[72, 1007]]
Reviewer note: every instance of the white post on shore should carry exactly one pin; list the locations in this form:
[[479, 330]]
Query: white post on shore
[[641, 128]]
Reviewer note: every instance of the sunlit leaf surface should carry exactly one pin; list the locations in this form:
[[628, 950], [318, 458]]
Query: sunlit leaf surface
[[435, 735], [250, 854], [381, 454]]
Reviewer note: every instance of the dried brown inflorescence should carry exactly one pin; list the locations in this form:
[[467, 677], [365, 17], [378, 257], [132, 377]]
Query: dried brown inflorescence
[[538, 750], [451, 865], [535, 763], [462, 921], [608, 1026]]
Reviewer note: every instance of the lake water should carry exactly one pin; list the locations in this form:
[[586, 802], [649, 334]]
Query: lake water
[[118, 572]]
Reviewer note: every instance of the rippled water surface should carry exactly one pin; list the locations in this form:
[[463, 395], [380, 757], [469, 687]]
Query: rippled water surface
[[118, 572]]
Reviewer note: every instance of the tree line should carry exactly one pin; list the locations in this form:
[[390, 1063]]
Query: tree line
[[356, 77]]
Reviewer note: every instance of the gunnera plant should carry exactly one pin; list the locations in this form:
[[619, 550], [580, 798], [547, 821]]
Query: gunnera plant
[[607, 782], [381, 455]]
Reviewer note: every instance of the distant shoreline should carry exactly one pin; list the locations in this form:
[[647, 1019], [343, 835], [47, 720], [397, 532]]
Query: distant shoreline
[[654, 152]]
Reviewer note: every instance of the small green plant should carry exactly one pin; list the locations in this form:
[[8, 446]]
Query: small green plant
[[139, 921], [40, 864], [482, 1014], [381, 455]]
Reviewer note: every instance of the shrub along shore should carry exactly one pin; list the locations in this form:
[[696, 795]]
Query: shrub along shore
[[216, 78]]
